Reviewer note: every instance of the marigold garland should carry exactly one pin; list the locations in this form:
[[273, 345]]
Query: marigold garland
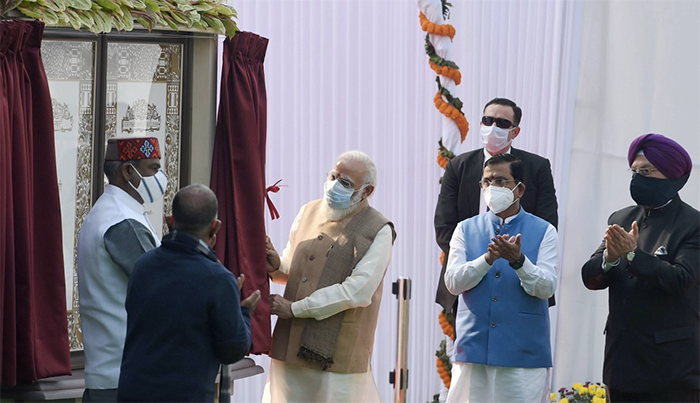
[[436, 29], [446, 325], [451, 108], [447, 71], [443, 157], [453, 113], [444, 367]]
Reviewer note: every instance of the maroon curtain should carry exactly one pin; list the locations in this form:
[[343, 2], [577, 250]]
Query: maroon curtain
[[238, 172], [34, 337]]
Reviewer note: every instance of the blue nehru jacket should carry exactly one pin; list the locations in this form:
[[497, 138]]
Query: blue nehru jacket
[[498, 323]]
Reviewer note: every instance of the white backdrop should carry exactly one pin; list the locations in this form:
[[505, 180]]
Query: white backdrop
[[590, 76]]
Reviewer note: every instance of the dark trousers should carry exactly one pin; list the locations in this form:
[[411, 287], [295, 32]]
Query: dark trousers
[[99, 395], [671, 396]]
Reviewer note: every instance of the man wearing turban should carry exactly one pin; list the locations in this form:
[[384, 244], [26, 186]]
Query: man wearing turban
[[650, 262]]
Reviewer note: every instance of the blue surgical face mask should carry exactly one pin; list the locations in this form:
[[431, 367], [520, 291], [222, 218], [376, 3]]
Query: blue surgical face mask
[[338, 196]]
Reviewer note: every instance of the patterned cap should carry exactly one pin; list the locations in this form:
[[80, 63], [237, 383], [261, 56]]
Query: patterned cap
[[132, 148]]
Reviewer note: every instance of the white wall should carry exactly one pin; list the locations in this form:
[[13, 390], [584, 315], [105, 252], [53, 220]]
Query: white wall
[[590, 77], [638, 73]]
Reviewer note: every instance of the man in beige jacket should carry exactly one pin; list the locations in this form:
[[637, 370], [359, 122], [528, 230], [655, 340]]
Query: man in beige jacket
[[334, 264]]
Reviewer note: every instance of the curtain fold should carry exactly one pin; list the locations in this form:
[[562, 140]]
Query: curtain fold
[[34, 335], [238, 172]]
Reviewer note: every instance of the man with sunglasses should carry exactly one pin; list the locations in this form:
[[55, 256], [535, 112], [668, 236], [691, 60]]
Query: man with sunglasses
[[334, 265], [460, 196], [649, 261], [503, 266]]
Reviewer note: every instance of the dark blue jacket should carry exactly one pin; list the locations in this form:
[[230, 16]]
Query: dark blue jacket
[[183, 319]]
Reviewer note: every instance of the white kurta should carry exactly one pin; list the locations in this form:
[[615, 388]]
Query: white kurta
[[484, 383], [291, 383]]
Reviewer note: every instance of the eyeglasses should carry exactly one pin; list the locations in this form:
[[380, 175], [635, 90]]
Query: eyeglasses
[[347, 183], [641, 171], [498, 182], [500, 122]]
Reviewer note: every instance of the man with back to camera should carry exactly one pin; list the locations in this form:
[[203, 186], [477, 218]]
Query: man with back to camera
[[503, 267], [334, 265], [649, 261], [460, 197], [113, 236], [185, 316]]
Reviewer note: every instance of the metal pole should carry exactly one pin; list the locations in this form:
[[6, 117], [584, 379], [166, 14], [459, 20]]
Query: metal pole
[[399, 377]]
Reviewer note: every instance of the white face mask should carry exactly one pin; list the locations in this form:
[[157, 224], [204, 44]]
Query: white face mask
[[151, 188], [494, 138], [499, 199]]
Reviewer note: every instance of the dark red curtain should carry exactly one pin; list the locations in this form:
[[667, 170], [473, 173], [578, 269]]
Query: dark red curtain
[[238, 172], [34, 337]]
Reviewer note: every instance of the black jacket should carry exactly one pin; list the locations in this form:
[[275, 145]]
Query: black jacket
[[460, 196], [651, 335]]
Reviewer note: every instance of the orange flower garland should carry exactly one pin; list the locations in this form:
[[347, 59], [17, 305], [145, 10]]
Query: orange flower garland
[[444, 374], [443, 364], [447, 327], [447, 71], [451, 107], [432, 28], [452, 113]]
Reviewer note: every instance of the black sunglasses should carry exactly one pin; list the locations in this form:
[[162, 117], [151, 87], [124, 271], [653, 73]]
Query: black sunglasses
[[500, 122]]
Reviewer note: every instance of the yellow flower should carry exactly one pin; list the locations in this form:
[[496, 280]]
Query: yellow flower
[[597, 399], [564, 400], [553, 397], [577, 385], [583, 390], [592, 388], [600, 392]]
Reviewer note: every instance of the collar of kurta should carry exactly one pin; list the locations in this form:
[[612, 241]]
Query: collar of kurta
[[125, 198], [499, 221]]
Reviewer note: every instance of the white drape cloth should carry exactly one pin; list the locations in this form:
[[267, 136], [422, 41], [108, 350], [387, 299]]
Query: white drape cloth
[[589, 75]]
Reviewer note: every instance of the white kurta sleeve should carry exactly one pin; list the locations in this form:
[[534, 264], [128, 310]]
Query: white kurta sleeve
[[462, 274], [288, 252], [357, 289], [541, 280]]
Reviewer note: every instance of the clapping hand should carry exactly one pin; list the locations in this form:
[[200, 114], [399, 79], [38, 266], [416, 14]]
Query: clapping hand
[[503, 246], [619, 242]]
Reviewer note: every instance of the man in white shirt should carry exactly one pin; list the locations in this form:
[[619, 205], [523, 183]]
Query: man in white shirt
[[503, 268], [113, 236], [334, 265]]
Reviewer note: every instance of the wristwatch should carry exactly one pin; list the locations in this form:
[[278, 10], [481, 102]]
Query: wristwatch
[[518, 263], [630, 256]]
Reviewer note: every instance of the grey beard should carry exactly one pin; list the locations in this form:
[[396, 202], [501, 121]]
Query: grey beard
[[338, 214]]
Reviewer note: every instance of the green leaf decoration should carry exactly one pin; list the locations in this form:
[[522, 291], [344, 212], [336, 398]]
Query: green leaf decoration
[[214, 23], [79, 4], [101, 16]]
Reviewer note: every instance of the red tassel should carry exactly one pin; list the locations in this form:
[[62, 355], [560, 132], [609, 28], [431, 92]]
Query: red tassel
[[274, 214]]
